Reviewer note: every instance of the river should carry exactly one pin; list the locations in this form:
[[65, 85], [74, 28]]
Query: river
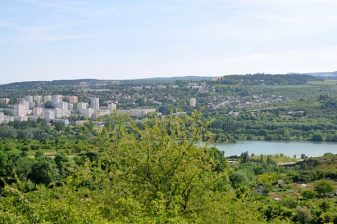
[[289, 148]]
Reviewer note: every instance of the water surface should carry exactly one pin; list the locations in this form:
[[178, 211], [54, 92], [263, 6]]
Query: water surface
[[289, 148]]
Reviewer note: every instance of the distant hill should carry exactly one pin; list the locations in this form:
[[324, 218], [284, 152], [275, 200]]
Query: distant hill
[[323, 74], [96, 82], [168, 79], [267, 79]]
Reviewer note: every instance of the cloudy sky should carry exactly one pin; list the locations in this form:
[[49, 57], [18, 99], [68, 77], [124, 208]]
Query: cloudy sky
[[119, 39]]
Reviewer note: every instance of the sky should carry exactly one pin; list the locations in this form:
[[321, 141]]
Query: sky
[[126, 39]]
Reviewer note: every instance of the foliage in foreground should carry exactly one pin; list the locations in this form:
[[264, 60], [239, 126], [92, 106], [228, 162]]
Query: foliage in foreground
[[155, 171], [152, 172]]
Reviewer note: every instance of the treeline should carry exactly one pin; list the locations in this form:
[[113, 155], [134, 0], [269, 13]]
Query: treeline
[[229, 128], [36, 129], [312, 119], [267, 79]]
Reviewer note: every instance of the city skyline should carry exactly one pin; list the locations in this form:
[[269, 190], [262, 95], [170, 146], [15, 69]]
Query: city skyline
[[52, 40]]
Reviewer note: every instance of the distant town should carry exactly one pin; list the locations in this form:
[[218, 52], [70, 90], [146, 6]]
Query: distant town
[[58, 108], [79, 100]]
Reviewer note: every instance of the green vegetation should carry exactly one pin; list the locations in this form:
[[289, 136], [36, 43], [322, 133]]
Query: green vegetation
[[312, 119], [154, 171], [267, 79]]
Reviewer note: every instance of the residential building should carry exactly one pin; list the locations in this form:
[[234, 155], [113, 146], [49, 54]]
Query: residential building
[[73, 99], [94, 103], [37, 99], [56, 99], [24, 102], [193, 102], [29, 99], [89, 112], [21, 109], [9, 119], [101, 113], [70, 106], [49, 115], [2, 117], [81, 122], [137, 112], [4, 101], [234, 113], [37, 112], [81, 107], [46, 98], [63, 105], [58, 113], [112, 107]]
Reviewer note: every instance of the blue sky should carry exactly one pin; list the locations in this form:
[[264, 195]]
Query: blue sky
[[68, 39]]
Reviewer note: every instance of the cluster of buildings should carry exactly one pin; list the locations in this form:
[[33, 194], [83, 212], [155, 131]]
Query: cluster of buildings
[[55, 108], [239, 102]]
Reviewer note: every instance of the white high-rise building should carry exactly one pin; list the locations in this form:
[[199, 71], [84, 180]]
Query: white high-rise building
[[63, 105], [56, 99], [94, 103], [81, 107], [58, 113], [46, 98], [73, 99], [193, 102], [21, 109], [23, 101], [29, 99], [49, 115], [2, 117], [37, 99], [37, 112], [112, 107], [27, 104], [89, 112], [70, 107], [4, 101]]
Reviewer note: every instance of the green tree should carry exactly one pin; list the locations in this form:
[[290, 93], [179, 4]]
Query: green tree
[[49, 105], [317, 137], [7, 132], [323, 187], [59, 126], [244, 157], [164, 110], [44, 171], [303, 215], [238, 179], [25, 134], [163, 161], [4, 162]]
